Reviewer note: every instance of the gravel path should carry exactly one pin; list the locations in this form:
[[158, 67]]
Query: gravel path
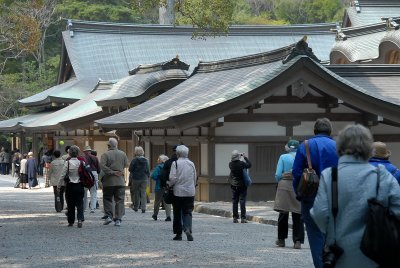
[[32, 234]]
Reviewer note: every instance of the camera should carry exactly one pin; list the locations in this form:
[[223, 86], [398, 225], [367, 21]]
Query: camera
[[330, 255]]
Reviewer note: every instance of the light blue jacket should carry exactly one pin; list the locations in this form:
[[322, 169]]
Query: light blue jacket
[[285, 164], [357, 181]]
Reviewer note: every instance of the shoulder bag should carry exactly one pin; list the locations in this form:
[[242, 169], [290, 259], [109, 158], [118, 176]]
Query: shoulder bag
[[381, 239], [309, 181]]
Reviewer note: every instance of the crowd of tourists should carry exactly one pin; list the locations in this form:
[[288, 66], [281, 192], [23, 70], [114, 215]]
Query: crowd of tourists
[[354, 162]]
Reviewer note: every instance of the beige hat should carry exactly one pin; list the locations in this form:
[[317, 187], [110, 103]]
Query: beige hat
[[380, 150], [87, 148], [30, 154]]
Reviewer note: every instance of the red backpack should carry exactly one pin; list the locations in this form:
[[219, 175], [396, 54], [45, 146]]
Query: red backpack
[[85, 175]]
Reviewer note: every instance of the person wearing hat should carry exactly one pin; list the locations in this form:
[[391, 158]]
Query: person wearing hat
[[239, 189], [95, 168], [112, 164], [380, 155], [285, 200]]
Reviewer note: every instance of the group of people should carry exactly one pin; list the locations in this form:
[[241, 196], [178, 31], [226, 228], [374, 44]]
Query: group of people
[[358, 160]]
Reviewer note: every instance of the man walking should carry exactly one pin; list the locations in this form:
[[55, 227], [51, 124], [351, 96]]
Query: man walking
[[323, 155], [113, 163]]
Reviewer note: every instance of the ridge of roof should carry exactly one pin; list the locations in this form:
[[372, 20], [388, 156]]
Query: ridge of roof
[[245, 61], [362, 70], [377, 3], [175, 63], [156, 29]]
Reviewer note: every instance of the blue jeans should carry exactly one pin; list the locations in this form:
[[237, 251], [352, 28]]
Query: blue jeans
[[316, 238], [239, 194]]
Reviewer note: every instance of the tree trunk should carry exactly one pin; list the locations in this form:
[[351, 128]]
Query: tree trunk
[[166, 13]]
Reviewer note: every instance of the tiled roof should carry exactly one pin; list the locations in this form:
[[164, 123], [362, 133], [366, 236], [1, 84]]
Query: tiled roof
[[68, 92], [362, 43], [108, 50], [132, 89], [369, 12], [218, 92], [15, 124]]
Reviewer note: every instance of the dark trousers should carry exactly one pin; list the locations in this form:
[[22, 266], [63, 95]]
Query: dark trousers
[[74, 195], [183, 207], [118, 193], [283, 226], [62, 190], [239, 194]]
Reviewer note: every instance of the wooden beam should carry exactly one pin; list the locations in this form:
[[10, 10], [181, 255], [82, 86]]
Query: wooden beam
[[292, 117]]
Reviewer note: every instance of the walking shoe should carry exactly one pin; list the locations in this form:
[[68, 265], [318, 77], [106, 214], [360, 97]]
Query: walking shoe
[[280, 243], [235, 220], [79, 224], [243, 221], [143, 210], [154, 217], [189, 236], [297, 245], [70, 224], [117, 223], [178, 237], [168, 219], [92, 211], [107, 221], [104, 217]]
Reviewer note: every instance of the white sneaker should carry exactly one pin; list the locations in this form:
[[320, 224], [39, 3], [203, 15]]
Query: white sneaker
[[107, 221], [92, 211], [117, 223]]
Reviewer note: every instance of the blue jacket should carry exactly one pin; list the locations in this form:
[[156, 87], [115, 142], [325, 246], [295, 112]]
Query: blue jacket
[[389, 166], [156, 176], [285, 164], [323, 155], [357, 181]]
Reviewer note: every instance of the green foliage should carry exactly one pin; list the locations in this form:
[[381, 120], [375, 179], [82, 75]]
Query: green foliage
[[308, 11], [28, 81], [115, 11]]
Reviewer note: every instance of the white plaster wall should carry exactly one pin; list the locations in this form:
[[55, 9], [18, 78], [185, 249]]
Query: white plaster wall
[[100, 147], [250, 129], [223, 154], [204, 159], [146, 148], [385, 129], [394, 148], [307, 128], [288, 108]]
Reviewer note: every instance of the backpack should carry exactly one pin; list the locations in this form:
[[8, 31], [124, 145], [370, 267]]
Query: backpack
[[164, 172], [85, 175], [309, 181]]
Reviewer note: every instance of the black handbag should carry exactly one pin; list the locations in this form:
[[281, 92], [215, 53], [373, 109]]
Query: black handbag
[[66, 177], [168, 195], [381, 239]]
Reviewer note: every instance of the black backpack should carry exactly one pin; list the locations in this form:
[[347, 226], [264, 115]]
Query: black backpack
[[164, 172]]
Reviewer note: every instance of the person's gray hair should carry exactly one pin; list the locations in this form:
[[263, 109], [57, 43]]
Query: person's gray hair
[[182, 151], [355, 140], [139, 151], [112, 142], [163, 158], [73, 151], [235, 155], [323, 125]]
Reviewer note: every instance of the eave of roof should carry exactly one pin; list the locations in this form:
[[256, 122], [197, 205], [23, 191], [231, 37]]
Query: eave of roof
[[16, 124], [182, 113], [369, 12], [66, 93]]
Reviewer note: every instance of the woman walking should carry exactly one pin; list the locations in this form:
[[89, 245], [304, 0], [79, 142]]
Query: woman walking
[[22, 172], [31, 171], [74, 189], [139, 174], [356, 183], [54, 174], [159, 191], [183, 180]]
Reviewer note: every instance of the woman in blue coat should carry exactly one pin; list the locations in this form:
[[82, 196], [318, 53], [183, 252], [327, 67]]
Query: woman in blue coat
[[357, 181]]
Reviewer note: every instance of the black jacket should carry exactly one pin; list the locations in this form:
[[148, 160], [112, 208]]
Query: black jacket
[[139, 169], [236, 175]]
